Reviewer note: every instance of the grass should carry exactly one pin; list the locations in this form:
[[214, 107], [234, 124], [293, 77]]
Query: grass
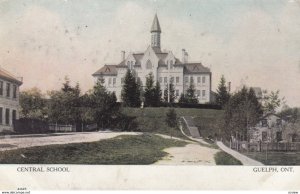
[[152, 119], [222, 158], [276, 158], [127, 149]]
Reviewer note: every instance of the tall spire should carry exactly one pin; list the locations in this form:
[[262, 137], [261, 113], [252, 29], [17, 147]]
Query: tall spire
[[155, 33], [155, 25]]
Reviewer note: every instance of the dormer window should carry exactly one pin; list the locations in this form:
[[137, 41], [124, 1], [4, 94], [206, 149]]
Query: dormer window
[[171, 64]]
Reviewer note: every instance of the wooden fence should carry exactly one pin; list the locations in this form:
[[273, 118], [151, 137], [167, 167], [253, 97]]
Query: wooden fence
[[264, 146], [62, 128]]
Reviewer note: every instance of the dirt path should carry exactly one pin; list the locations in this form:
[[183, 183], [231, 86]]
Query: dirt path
[[244, 159], [191, 154], [15, 142]]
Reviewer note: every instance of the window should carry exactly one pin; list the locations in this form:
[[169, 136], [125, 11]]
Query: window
[[172, 79], [114, 81], [199, 79], [1, 113], [278, 136], [8, 89], [165, 79], [264, 136], [203, 80], [171, 64], [128, 63], [198, 93], [264, 123], [14, 116], [14, 91], [122, 80], [186, 79], [1, 88], [148, 65], [160, 79], [203, 93], [109, 81], [278, 122], [192, 79], [177, 92], [7, 116], [177, 80]]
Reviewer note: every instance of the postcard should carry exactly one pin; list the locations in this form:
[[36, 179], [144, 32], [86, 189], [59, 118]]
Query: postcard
[[150, 94]]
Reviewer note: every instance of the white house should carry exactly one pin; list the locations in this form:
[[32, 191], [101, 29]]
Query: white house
[[9, 100], [270, 128], [164, 66]]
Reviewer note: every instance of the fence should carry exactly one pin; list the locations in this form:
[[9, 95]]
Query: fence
[[62, 128], [264, 146]]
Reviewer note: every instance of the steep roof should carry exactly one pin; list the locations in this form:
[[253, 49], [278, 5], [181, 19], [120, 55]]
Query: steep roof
[[155, 25], [107, 70], [9, 77], [195, 68]]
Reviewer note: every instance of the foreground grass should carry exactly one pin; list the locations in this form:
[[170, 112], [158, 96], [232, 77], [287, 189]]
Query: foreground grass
[[276, 158], [222, 158], [152, 119], [127, 149]]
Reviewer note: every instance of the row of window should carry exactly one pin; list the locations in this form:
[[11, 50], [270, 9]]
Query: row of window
[[199, 80], [8, 88], [6, 113], [198, 93]]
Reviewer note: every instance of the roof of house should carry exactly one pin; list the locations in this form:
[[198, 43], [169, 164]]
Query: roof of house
[[195, 68], [9, 77], [107, 70], [269, 114], [155, 25]]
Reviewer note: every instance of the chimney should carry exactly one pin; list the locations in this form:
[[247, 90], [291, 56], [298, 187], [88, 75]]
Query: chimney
[[229, 87], [122, 55], [183, 55]]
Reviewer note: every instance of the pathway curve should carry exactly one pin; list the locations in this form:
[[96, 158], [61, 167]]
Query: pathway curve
[[244, 159]]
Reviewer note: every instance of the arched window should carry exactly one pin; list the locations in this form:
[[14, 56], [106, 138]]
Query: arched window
[[148, 65]]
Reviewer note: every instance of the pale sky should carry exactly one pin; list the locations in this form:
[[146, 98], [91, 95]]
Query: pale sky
[[252, 42]]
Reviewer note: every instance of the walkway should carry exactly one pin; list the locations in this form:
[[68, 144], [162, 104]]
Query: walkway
[[244, 159]]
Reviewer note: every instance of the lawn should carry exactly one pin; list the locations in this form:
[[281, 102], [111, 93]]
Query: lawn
[[222, 158], [276, 158], [126, 149], [152, 119]]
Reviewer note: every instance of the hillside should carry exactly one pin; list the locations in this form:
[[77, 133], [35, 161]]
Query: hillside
[[152, 119]]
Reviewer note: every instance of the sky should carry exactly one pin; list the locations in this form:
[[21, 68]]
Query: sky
[[252, 42]]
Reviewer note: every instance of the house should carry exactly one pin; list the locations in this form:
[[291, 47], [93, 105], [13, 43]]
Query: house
[[270, 128], [9, 100], [165, 67]]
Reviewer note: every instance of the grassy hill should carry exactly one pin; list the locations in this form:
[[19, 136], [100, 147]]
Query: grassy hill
[[152, 119]]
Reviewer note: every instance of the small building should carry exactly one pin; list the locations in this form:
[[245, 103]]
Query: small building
[[9, 100], [270, 128]]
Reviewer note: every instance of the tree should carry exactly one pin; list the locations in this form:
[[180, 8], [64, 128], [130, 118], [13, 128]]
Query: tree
[[103, 104], [64, 105], [271, 101], [182, 99], [171, 94], [222, 93], [242, 111], [33, 104], [190, 95], [131, 91], [157, 95], [149, 91], [171, 118]]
